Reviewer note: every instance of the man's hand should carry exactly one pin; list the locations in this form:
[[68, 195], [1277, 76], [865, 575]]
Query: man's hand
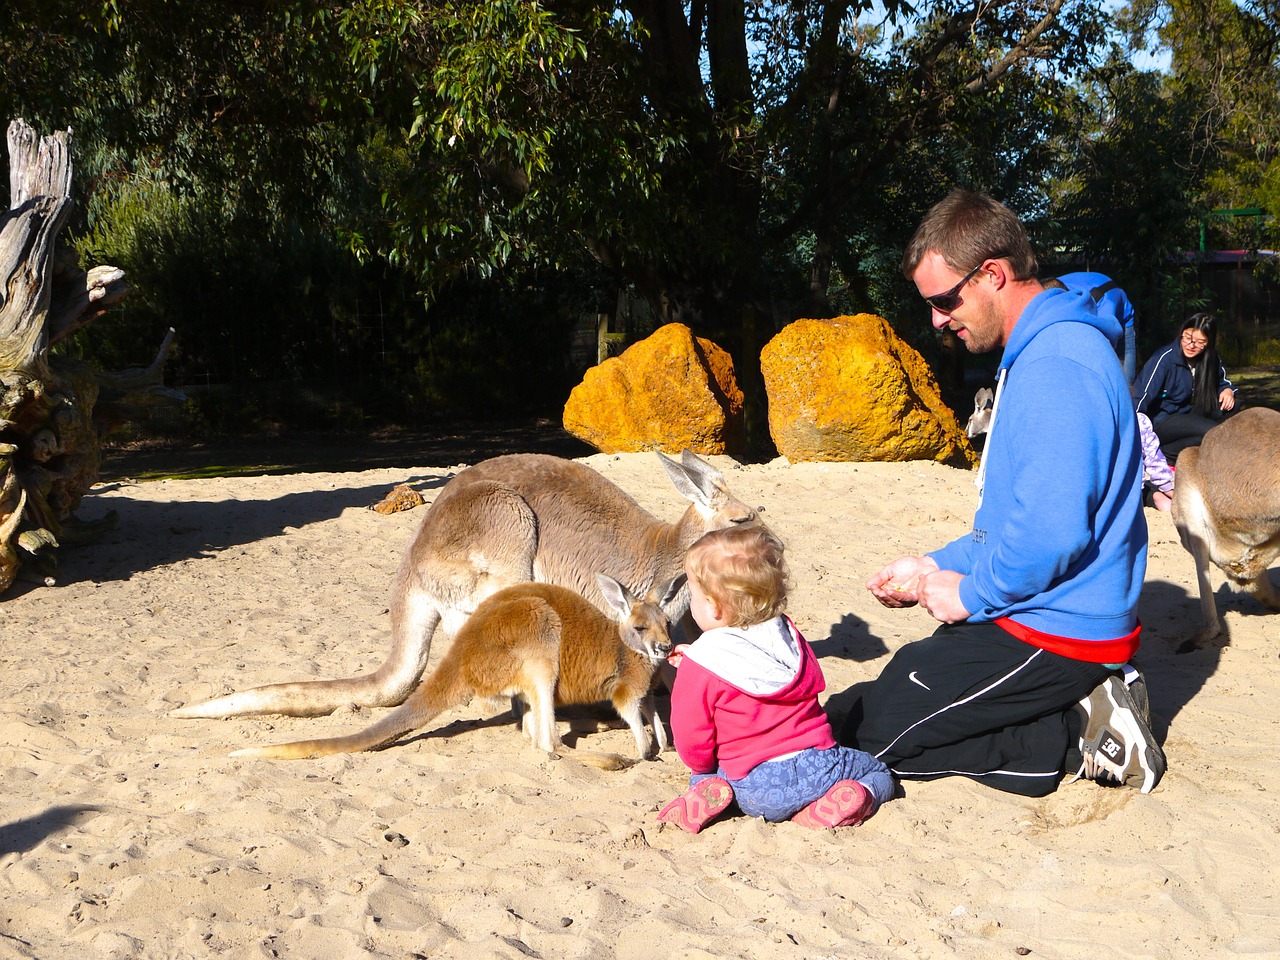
[[896, 584], [939, 595]]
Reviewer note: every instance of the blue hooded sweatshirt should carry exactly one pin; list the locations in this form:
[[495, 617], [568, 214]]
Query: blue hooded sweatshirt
[[1059, 542], [1111, 300]]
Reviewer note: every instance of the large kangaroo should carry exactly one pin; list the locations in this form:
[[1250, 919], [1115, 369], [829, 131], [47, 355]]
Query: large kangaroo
[[1226, 506], [513, 519], [545, 645]]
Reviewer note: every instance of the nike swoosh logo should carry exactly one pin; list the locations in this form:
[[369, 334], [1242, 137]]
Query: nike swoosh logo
[[916, 680]]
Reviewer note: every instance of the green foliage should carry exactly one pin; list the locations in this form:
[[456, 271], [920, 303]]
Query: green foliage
[[1266, 352], [1123, 198], [265, 172], [1164, 154], [695, 160], [465, 359], [483, 108], [216, 274], [1237, 354]]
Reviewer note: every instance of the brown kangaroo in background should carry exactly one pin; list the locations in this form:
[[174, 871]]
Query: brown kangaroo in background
[[1226, 506], [546, 646], [509, 520]]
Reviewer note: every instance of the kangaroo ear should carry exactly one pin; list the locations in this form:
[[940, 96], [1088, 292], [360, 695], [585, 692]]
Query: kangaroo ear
[[671, 588], [696, 479], [617, 596], [691, 460]]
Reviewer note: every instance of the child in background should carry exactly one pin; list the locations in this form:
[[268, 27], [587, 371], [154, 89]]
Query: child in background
[[1157, 475], [745, 715]]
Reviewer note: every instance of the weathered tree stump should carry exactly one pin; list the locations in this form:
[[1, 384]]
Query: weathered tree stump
[[48, 442]]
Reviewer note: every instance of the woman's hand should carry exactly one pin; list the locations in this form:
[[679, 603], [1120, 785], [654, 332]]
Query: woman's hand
[[1227, 399]]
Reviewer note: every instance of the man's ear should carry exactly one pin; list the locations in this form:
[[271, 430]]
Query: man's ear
[[999, 272]]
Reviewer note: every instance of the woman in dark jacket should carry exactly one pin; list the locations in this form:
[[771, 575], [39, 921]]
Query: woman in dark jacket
[[1184, 388]]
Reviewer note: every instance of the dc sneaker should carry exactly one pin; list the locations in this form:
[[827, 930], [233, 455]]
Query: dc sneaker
[[1116, 741]]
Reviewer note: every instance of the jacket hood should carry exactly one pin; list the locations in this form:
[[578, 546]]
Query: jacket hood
[[766, 660], [1056, 306], [1106, 293]]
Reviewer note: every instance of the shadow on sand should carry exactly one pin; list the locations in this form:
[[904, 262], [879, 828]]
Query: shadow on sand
[[149, 535], [29, 832]]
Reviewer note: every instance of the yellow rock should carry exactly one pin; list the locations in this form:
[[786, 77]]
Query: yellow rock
[[849, 388], [669, 392], [401, 497]]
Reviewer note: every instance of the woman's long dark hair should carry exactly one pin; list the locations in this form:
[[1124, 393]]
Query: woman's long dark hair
[[1204, 389]]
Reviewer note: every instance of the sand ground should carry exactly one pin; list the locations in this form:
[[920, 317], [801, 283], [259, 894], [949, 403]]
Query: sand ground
[[125, 833]]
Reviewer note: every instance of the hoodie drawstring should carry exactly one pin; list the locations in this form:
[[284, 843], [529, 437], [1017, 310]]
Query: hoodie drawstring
[[991, 426]]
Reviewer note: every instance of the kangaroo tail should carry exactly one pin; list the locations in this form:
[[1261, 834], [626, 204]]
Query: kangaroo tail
[[304, 698], [390, 728], [388, 686]]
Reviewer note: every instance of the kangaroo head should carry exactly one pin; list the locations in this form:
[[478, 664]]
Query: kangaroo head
[[703, 485], [641, 623]]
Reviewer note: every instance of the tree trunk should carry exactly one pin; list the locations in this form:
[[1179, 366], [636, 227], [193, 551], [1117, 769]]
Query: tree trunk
[[48, 444]]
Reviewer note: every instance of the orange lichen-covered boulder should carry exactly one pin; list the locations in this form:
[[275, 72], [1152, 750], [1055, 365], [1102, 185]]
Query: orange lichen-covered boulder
[[849, 388], [669, 392]]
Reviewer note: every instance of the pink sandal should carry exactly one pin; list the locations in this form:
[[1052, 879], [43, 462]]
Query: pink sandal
[[699, 805], [846, 804]]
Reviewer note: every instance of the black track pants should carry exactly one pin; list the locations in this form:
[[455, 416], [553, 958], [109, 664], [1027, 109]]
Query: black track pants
[[973, 701], [1182, 430]]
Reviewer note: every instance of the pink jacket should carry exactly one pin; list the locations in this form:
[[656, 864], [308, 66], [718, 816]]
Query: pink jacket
[[746, 695]]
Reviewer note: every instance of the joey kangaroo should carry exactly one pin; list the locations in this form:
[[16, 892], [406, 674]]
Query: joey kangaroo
[[545, 645], [509, 520], [980, 419], [1226, 506]]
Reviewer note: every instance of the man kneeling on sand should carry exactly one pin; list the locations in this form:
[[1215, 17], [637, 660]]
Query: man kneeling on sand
[[1028, 678]]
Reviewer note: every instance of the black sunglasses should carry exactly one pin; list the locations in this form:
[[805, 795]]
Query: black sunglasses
[[946, 302]]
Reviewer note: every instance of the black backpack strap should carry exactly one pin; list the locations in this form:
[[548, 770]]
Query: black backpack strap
[[1097, 292]]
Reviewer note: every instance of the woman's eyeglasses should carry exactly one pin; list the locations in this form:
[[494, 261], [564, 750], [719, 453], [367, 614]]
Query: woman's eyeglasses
[[1198, 343], [946, 302]]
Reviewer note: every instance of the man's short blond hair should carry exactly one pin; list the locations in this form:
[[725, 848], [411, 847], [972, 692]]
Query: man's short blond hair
[[743, 569]]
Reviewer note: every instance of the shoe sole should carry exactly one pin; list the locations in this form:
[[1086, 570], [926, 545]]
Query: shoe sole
[[699, 805], [846, 804], [1137, 688]]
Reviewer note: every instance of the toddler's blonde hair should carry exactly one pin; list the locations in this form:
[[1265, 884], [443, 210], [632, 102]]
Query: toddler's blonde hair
[[742, 569]]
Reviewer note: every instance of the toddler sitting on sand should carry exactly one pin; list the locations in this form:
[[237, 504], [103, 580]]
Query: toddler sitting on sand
[[745, 715]]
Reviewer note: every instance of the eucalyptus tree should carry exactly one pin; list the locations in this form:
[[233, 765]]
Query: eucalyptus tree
[[1124, 198], [1156, 151], [734, 162], [213, 159], [695, 150], [1225, 68]]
